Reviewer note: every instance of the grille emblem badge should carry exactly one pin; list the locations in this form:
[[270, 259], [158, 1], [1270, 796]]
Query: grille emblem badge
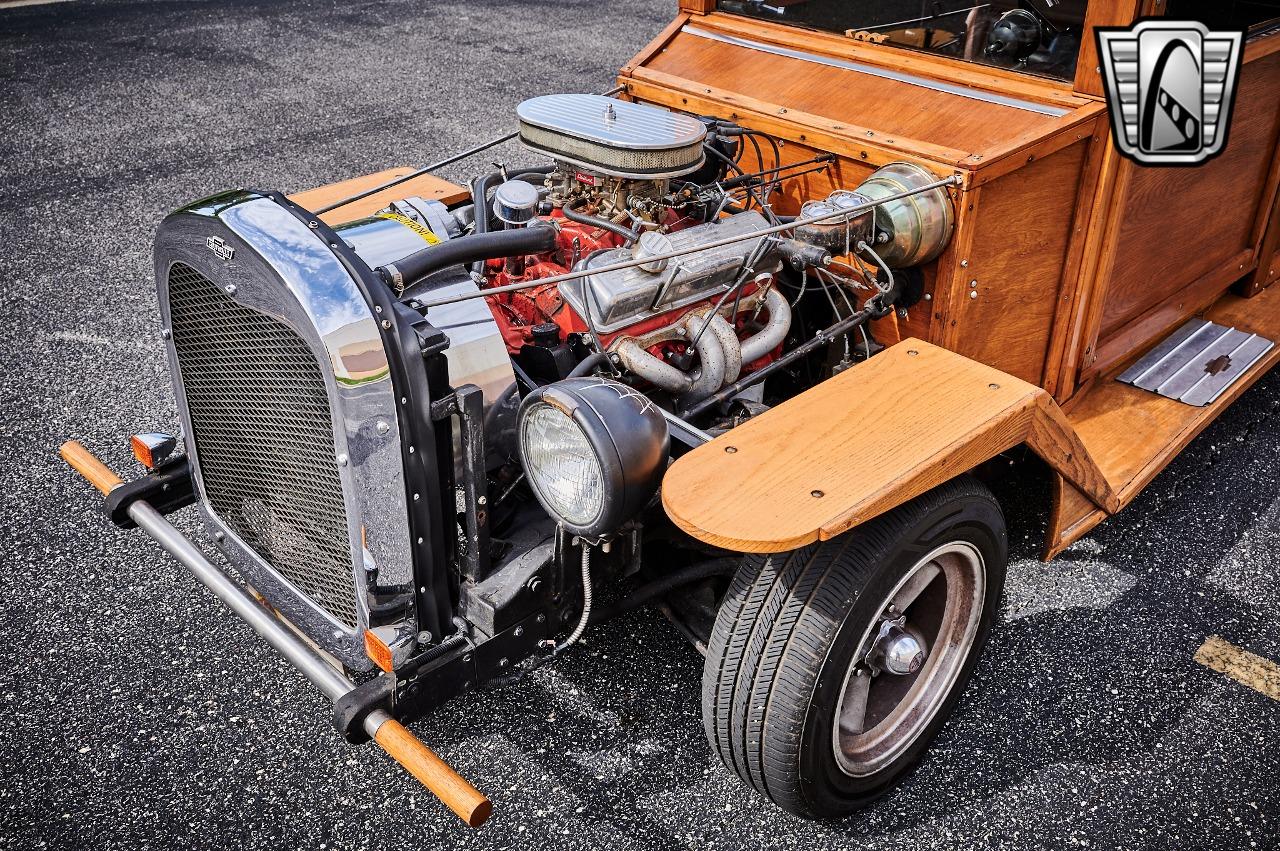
[[219, 247]]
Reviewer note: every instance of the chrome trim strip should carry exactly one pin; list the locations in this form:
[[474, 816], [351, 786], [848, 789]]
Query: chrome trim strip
[[873, 71]]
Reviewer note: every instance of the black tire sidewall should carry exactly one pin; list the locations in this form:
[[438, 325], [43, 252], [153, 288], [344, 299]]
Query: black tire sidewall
[[972, 518]]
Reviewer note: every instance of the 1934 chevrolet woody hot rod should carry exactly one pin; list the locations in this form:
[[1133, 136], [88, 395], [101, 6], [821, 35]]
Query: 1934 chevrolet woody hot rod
[[742, 337]]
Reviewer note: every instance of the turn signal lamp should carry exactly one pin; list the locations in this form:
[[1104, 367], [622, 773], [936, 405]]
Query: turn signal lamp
[[152, 447], [377, 650]]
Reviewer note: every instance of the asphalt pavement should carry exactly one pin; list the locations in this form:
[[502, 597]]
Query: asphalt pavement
[[137, 713]]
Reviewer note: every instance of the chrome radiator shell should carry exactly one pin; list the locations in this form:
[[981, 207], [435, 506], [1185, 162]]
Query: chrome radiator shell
[[264, 259]]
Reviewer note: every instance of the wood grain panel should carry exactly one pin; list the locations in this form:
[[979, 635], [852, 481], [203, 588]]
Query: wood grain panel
[[890, 108], [1179, 225], [1101, 13], [1133, 434], [427, 186], [858, 445], [1268, 267], [1019, 252], [985, 77]]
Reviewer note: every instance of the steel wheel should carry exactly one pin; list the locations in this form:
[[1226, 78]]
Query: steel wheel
[[909, 659], [831, 667]]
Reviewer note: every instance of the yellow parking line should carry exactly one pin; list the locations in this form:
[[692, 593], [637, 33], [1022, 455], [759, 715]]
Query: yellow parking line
[[1261, 675]]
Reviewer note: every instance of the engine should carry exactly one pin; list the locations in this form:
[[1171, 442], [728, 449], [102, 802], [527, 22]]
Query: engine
[[616, 194], [675, 283]]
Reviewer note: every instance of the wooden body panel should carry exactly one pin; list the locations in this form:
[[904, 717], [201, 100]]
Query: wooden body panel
[[1268, 269], [891, 427], [425, 186], [1018, 264], [1183, 235], [1133, 434], [955, 127]]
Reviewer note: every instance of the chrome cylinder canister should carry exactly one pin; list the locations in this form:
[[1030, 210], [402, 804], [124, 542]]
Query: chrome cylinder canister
[[839, 234], [515, 203], [399, 230], [918, 226], [477, 353]]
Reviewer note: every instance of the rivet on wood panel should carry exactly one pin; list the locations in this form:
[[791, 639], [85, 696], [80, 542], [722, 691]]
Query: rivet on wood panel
[[912, 352], [817, 494], [731, 449], [994, 386]]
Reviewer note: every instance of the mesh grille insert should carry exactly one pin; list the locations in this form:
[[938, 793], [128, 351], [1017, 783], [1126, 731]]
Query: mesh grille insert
[[263, 435]]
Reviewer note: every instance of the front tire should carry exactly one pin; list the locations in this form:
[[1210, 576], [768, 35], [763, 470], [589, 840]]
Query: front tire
[[830, 668]]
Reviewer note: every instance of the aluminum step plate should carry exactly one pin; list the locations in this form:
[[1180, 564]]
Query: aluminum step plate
[[1197, 363]]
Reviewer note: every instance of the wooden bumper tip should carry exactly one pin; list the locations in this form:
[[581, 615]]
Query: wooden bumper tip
[[481, 813], [445, 783], [87, 464]]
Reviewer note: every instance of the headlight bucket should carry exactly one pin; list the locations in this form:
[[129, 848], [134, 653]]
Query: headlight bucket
[[626, 434]]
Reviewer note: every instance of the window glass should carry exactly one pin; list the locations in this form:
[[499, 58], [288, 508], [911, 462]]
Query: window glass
[[1226, 14], [1035, 36]]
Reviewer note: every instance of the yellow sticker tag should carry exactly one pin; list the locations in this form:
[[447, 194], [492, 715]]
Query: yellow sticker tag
[[418, 228]]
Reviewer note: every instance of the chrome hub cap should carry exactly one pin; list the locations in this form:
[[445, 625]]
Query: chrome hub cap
[[909, 658], [895, 650]]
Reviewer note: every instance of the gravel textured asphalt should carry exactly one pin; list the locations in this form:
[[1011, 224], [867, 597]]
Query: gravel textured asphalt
[[137, 713]]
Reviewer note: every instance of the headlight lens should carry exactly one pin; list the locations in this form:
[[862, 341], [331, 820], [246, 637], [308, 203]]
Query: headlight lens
[[561, 465]]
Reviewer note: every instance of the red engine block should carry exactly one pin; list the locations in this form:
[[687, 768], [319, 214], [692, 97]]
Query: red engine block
[[518, 312]]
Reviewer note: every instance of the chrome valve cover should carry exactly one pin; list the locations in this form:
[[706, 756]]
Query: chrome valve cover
[[618, 299]]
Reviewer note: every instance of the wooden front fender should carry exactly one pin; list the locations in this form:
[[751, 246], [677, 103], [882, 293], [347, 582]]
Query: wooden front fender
[[862, 443]]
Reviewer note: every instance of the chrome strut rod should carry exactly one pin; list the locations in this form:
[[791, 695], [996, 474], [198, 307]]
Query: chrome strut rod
[[846, 213]]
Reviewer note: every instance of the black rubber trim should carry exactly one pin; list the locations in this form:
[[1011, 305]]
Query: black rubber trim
[[167, 488], [350, 710], [410, 343]]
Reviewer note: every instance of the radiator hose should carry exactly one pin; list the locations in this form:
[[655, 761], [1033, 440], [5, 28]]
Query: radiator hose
[[478, 247]]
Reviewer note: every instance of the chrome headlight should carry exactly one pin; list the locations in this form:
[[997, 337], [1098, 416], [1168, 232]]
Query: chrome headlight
[[594, 451]]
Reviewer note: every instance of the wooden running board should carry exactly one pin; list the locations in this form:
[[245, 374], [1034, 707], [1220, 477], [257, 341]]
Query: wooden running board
[[867, 440], [1134, 434]]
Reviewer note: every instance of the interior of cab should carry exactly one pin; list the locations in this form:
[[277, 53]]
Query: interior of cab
[[1035, 36], [1040, 37]]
